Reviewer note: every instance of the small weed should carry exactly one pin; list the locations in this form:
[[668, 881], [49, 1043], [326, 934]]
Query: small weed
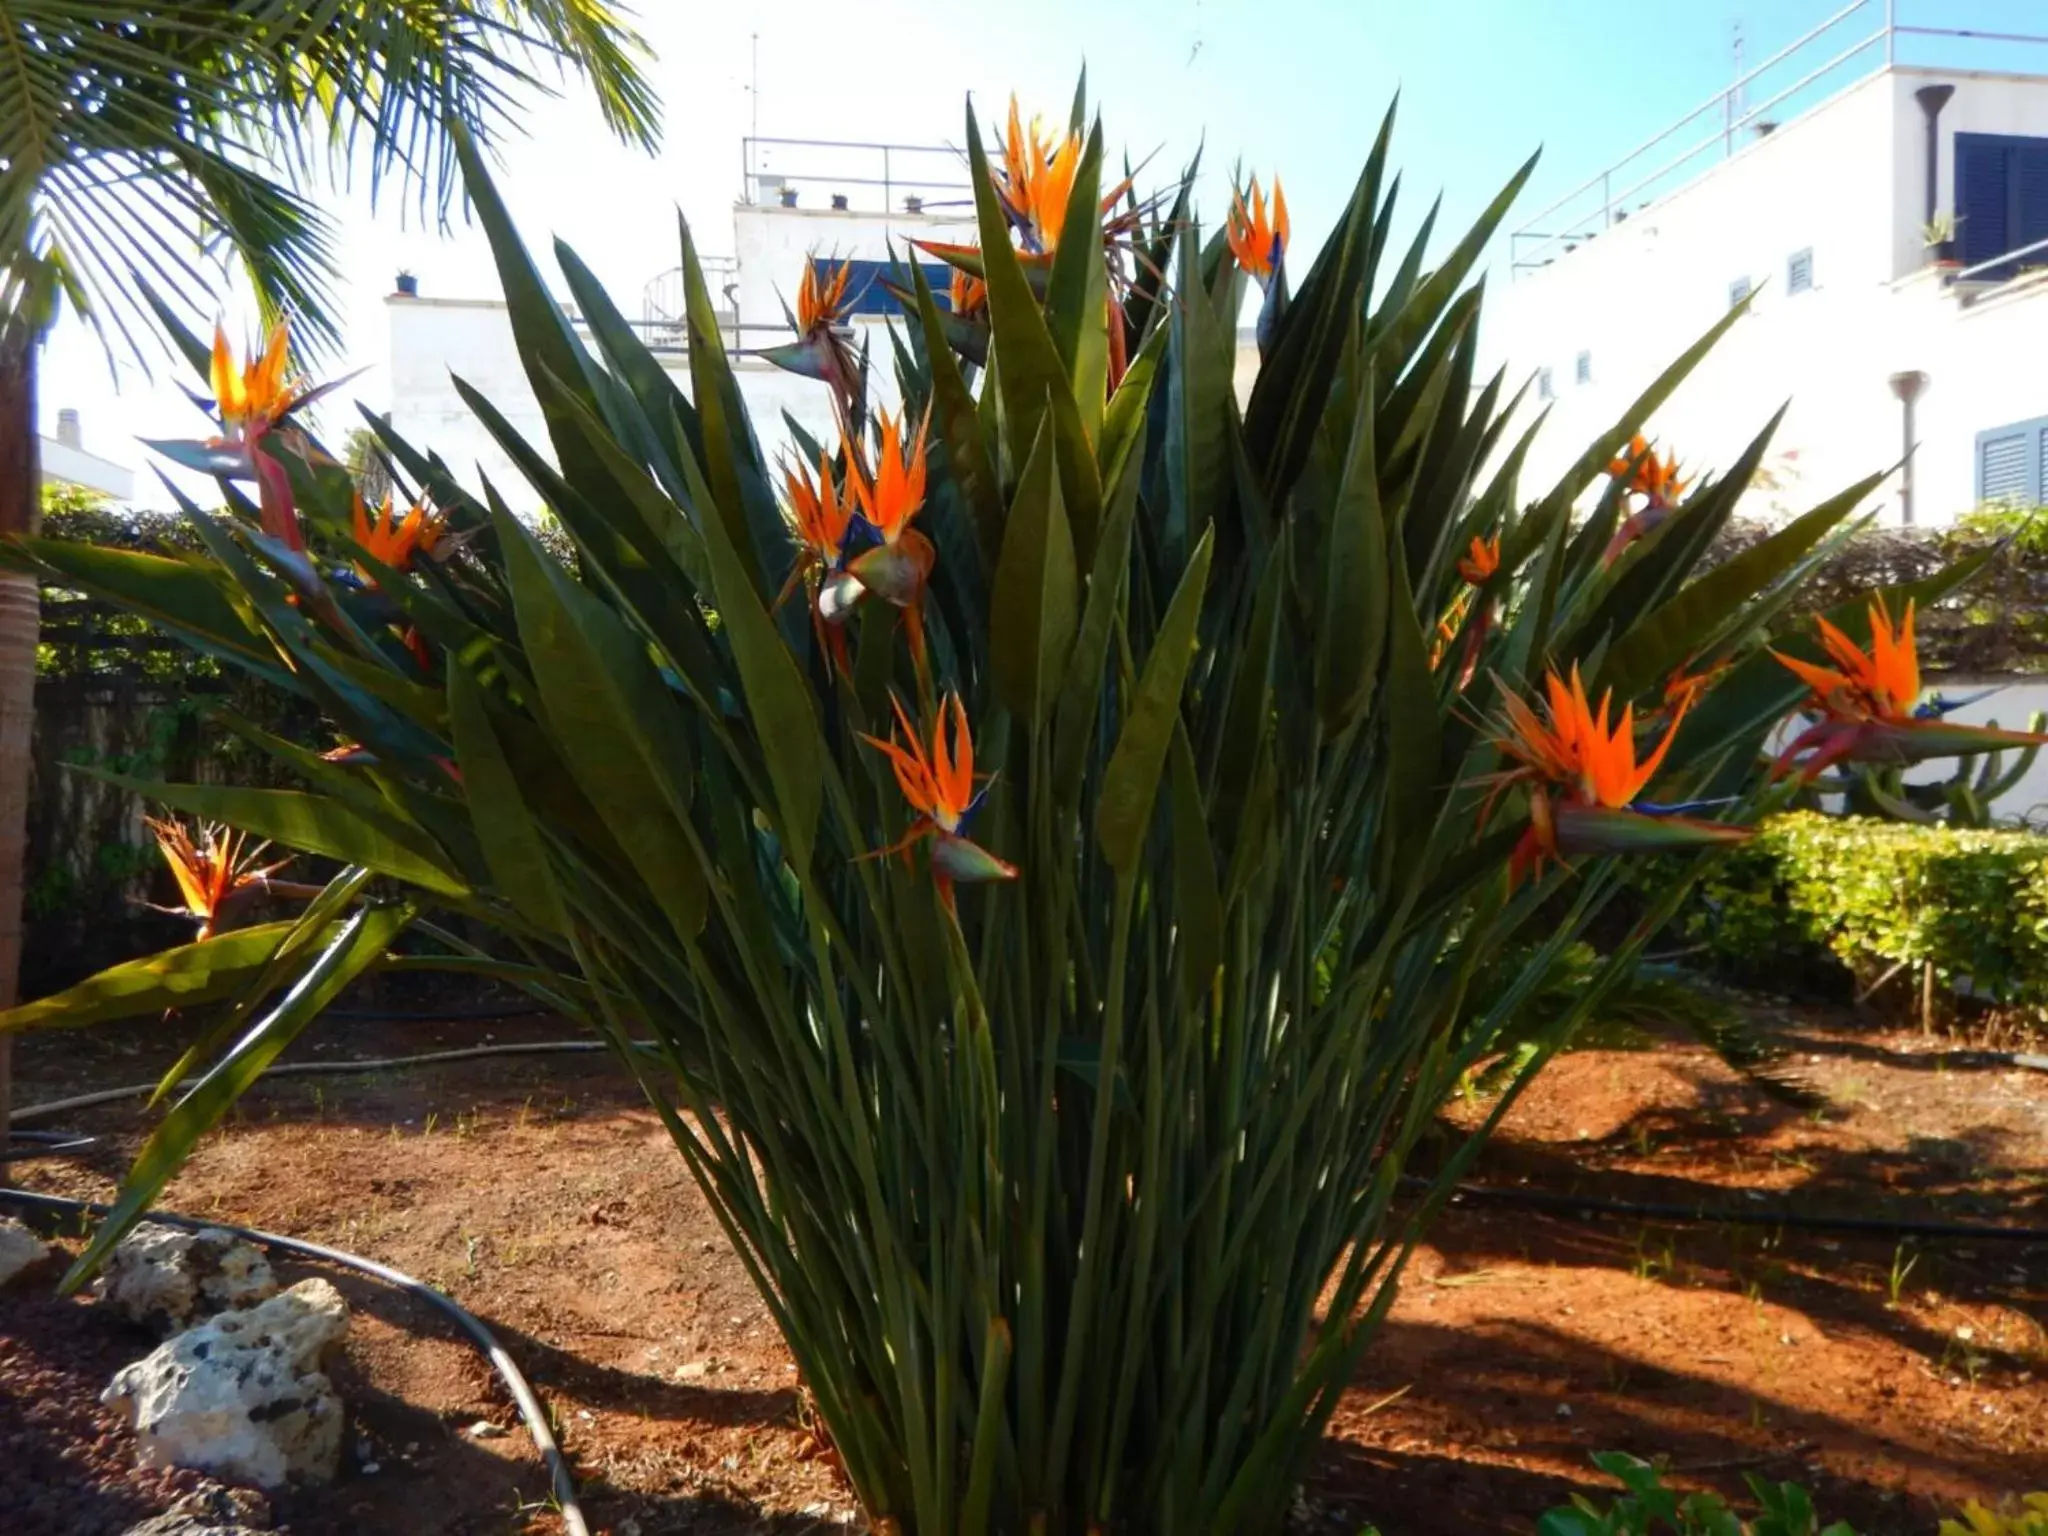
[[433, 1119], [1895, 1282]]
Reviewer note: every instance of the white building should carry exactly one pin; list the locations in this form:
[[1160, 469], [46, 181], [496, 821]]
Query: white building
[[1818, 200], [64, 460], [860, 203]]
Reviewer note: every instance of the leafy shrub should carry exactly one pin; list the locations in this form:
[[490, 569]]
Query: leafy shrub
[[1998, 623], [1649, 1507], [2027, 1516], [1063, 1145], [1884, 896]]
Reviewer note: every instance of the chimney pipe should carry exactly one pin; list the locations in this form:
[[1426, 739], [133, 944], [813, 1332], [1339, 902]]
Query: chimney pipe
[[69, 432], [1932, 99]]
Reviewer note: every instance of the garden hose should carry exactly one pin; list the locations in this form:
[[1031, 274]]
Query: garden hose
[[326, 1068], [531, 1410], [1580, 1205]]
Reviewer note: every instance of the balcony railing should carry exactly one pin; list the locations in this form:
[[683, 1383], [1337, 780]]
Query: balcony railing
[[1855, 42], [871, 177]]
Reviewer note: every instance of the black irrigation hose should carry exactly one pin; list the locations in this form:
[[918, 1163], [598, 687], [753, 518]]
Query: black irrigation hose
[[437, 1015], [523, 1395], [44, 1144], [323, 1068], [1578, 1205]]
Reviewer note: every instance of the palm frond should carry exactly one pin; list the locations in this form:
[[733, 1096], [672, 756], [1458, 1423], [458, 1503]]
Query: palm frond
[[177, 142]]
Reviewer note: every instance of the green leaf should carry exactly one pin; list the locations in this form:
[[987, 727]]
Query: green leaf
[[959, 426], [613, 722], [1674, 632], [1354, 608], [307, 823], [1130, 783], [779, 703], [1414, 730], [1198, 901], [182, 594], [1076, 299], [185, 977], [739, 492], [358, 943], [511, 842], [546, 343], [1030, 375], [1081, 694], [1032, 610]]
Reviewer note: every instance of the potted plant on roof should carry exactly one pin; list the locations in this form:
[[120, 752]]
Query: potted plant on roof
[[1939, 236]]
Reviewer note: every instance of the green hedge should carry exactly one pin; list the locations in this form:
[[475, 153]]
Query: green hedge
[[1882, 896]]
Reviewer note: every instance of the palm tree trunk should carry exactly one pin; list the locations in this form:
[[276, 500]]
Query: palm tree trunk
[[20, 513]]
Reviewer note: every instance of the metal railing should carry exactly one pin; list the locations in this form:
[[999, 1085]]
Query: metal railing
[[851, 169], [1828, 58]]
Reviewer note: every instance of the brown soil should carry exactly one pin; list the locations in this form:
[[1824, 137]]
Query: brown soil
[[542, 1195]]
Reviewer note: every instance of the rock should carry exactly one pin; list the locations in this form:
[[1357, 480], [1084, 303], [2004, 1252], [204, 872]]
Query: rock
[[21, 1251], [242, 1395], [484, 1429], [210, 1512], [168, 1278]]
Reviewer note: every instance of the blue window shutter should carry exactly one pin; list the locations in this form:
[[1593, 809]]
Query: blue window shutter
[[1738, 291], [865, 294], [2010, 463], [2029, 205], [1982, 195]]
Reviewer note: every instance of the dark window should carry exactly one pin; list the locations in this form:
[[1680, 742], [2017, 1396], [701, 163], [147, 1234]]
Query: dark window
[[1799, 271], [1582, 370], [1739, 290], [865, 294], [2001, 198], [2012, 463], [1545, 389]]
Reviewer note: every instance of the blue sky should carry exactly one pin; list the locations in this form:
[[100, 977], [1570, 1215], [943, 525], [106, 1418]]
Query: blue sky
[[1293, 85]]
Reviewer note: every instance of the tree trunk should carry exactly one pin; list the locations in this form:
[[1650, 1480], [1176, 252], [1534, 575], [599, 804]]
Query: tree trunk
[[20, 513]]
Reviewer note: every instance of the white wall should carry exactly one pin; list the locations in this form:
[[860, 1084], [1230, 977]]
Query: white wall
[[1848, 181], [771, 243], [70, 465]]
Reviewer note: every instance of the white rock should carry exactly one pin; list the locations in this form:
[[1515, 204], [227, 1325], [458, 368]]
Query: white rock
[[169, 1278], [210, 1512], [242, 1395], [20, 1250]]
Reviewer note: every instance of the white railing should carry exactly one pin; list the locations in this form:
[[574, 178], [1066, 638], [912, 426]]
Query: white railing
[[1853, 43], [862, 176]]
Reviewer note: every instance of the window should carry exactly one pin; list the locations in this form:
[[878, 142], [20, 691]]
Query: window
[[1545, 388], [1739, 290], [1799, 271], [1582, 370], [865, 294], [2012, 463], [2001, 198]]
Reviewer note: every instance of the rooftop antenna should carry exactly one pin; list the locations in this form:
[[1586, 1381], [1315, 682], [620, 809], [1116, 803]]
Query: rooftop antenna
[[754, 85]]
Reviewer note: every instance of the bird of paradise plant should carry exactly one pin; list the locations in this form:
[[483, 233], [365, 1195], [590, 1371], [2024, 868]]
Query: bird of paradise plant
[[938, 784], [1868, 705], [212, 868], [255, 401], [1584, 782], [1656, 485], [821, 350], [1071, 1189], [392, 538], [897, 569], [821, 516]]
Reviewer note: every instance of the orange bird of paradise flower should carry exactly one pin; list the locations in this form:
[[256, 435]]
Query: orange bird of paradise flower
[[968, 296], [1584, 780], [211, 867], [820, 518], [938, 784], [1642, 473], [392, 538], [1869, 705], [896, 569], [1480, 561], [1258, 237], [820, 351], [255, 401]]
